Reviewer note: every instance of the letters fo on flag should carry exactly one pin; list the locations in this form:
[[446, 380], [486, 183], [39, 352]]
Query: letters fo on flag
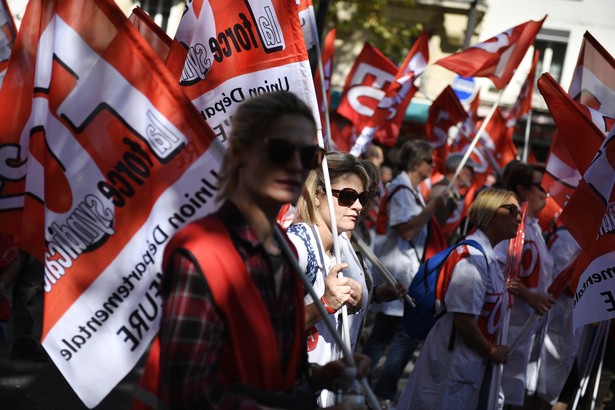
[[391, 109], [237, 50], [588, 217], [365, 86], [7, 37], [100, 145], [496, 58]]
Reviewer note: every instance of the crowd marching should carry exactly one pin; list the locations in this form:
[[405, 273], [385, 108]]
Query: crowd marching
[[323, 271]]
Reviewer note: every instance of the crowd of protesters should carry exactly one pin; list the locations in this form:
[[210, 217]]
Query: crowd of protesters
[[276, 348]]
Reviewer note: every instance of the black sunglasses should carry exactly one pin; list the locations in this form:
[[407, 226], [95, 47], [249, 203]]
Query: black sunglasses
[[537, 185], [348, 196], [513, 210], [280, 151]]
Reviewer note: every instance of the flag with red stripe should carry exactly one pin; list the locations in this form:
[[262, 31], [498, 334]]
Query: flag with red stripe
[[8, 33], [104, 159], [496, 58]]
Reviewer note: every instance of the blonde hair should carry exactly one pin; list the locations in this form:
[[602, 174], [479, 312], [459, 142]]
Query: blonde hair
[[250, 123], [486, 204], [339, 164]]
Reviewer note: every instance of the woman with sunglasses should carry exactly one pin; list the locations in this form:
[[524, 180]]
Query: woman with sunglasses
[[312, 236], [450, 370], [535, 275], [232, 331], [401, 250]]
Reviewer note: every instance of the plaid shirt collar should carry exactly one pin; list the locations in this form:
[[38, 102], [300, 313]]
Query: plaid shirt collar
[[238, 226]]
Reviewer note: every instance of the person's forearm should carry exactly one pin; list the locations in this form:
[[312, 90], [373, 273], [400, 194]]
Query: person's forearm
[[409, 229]]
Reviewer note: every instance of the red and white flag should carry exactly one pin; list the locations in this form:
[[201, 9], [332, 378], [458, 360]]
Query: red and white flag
[[523, 105], [578, 132], [496, 58], [589, 218], [104, 160], [445, 112], [307, 19], [391, 109], [593, 85], [8, 33], [322, 80], [155, 36], [365, 86], [497, 133], [237, 50]]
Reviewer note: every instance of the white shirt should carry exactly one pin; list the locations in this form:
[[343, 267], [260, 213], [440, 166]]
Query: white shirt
[[400, 256]]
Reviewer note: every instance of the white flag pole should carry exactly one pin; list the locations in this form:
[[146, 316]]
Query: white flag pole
[[526, 143], [470, 148]]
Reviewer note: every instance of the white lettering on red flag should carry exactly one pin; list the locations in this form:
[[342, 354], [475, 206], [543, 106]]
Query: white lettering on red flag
[[496, 58], [103, 159]]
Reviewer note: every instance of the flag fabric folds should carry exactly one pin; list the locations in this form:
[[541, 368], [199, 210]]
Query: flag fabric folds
[[496, 58], [151, 32], [8, 33], [391, 109], [523, 104], [105, 158]]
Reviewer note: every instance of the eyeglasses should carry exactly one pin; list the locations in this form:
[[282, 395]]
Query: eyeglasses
[[348, 196], [280, 151], [537, 185], [513, 210]]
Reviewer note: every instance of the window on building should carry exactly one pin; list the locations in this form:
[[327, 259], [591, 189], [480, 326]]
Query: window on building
[[552, 45]]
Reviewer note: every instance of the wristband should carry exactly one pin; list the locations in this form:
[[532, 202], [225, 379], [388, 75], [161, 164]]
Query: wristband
[[324, 303]]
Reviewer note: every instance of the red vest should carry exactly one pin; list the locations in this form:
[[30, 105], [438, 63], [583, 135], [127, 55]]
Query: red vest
[[251, 354]]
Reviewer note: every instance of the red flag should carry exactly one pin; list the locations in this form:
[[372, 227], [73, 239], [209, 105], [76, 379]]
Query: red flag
[[151, 32], [369, 76], [240, 49], [460, 212], [8, 32], [392, 108], [589, 218], [573, 120], [496, 58], [497, 138], [98, 141], [444, 112], [593, 85], [307, 19], [523, 105]]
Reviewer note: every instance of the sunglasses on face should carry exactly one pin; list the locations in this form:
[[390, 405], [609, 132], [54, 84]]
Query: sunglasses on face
[[348, 196], [537, 185], [280, 151], [513, 210]]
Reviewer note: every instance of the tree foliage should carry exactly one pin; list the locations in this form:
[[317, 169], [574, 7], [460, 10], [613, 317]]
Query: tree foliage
[[387, 32]]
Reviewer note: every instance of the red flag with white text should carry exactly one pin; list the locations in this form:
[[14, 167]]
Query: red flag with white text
[[365, 86], [391, 109], [496, 58], [593, 85], [99, 145], [8, 33], [445, 112], [237, 50], [589, 218]]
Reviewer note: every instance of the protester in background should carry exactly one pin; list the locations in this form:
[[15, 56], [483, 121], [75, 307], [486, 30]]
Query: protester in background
[[455, 203], [9, 267], [402, 250], [312, 236], [386, 175], [450, 369], [561, 340], [534, 278], [374, 158], [232, 330]]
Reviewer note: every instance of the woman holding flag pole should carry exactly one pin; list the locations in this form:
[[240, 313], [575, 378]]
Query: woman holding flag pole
[[535, 275], [232, 331], [449, 372]]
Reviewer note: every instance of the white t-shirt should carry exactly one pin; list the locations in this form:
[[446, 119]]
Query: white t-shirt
[[322, 347], [400, 256], [536, 273], [451, 379]]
